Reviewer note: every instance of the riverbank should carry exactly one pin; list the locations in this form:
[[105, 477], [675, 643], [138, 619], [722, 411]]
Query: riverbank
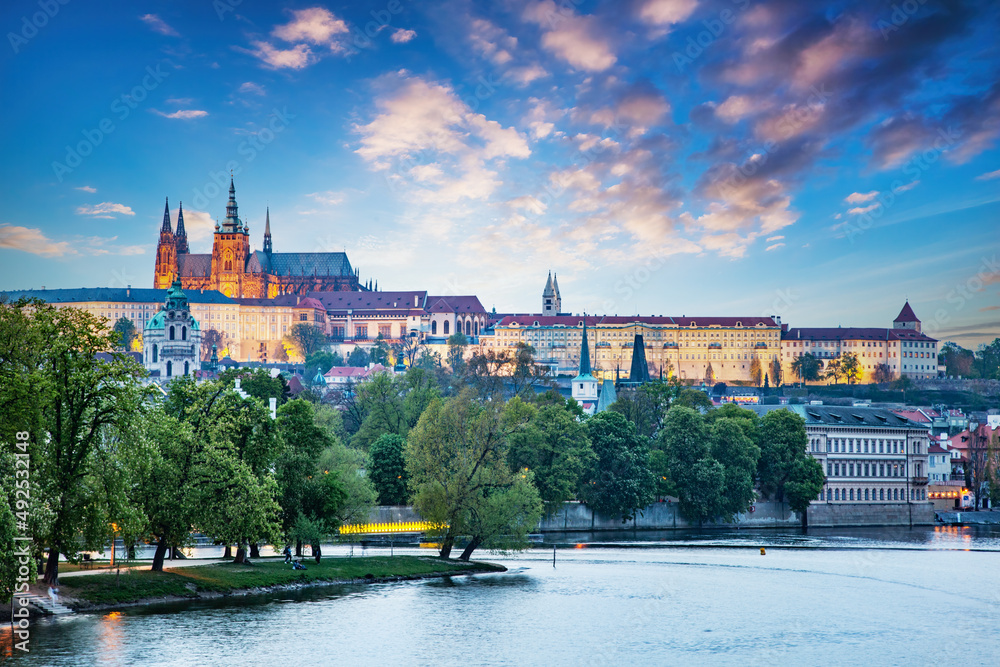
[[109, 591]]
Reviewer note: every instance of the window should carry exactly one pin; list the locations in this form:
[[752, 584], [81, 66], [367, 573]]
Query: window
[[836, 494], [881, 494], [434, 328], [171, 333], [866, 494], [852, 494], [186, 368], [385, 331], [446, 327], [155, 350], [184, 335], [170, 368]]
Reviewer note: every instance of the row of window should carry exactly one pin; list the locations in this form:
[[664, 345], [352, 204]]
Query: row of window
[[880, 469], [870, 494], [861, 446]]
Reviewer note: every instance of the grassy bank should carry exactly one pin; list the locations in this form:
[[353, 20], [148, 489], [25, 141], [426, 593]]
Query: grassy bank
[[191, 582]]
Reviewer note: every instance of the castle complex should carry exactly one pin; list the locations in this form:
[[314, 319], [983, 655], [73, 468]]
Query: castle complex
[[236, 271]]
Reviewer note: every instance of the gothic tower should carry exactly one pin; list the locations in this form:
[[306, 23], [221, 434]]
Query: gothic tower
[[549, 298], [230, 250], [166, 253], [181, 235], [267, 231]]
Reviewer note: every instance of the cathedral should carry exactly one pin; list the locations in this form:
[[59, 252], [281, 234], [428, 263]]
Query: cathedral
[[236, 271]]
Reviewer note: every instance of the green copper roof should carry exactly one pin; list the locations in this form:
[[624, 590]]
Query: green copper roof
[[155, 322], [584, 350]]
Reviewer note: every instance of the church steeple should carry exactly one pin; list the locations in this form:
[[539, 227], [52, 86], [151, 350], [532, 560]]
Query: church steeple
[[181, 235], [232, 223], [267, 231], [584, 350], [165, 227]]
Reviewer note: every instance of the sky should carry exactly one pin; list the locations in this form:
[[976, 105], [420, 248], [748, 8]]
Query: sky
[[819, 161]]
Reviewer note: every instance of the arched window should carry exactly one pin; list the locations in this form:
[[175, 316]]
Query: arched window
[[836, 494], [171, 332], [170, 368], [434, 328], [184, 333], [468, 327], [186, 368], [477, 327], [881, 494], [866, 494], [852, 494], [155, 350], [446, 327]]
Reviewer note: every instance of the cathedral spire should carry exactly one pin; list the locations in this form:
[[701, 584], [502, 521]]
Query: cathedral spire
[[165, 227], [181, 236], [267, 231], [232, 223]]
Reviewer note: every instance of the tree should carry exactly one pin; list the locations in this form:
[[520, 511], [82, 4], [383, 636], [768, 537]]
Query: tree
[[319, 361], [126, 333], [709, 374], [305, 338], [883, 374], [755, 371], [388, 469], [731, 446], [304, 440], [258, 383], [456, 457], [958, 361], [987, 360], [358, 358], [8, 527], [408, 348], [834, 370], [785, 470], [553, 445], [619, 482], [697, 478], [383, 409], [807, 367], [278, 352], [457, 344], [525, 373], [210, 337], [692, 398], [851, 367], [379, 353], [775, 370]]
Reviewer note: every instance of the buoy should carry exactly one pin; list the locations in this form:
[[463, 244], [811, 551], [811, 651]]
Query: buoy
[[762, 552]]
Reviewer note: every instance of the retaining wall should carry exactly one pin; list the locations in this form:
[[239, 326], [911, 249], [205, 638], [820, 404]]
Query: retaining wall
[[823, 515]]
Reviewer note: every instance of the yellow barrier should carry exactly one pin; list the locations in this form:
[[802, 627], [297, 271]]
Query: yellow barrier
[[388, 528]]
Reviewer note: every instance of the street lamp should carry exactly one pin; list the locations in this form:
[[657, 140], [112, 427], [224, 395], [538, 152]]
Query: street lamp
[[114, 532]]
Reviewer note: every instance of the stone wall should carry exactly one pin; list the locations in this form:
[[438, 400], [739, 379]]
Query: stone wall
[[822, 515], [577, 517]]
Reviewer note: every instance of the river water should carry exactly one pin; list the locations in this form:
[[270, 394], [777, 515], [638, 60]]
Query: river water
[[873, 597]]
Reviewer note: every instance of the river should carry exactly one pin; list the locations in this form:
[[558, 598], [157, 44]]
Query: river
[[874, 597]]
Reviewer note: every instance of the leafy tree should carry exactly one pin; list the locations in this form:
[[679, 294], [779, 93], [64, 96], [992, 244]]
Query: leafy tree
[[329, 419], [807, 367], [408, 348], [304, 440], [851, 367], [883, 374], [126, 333], [360, 496], [8, 527], [958, 361], [319, 361], [641, 408], [618, 482], [457, 344], [805, 481], [732, 447], [525, 373], [834, 370], [278, 352], [784, 470], [987, 360], [755, 371], [358, 358], [709, 374], [775, 371], [692, 398], [306, 338], [379, 354], [388, 469], [257, 382], [697, 478], [383, 409], [420, 387], [553, 445], [429, 360], [210, 337], [456, 457]]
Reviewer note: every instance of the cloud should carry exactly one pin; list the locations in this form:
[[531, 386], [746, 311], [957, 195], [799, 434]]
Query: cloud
[[526, 74], [296, 57], [989, 176], [491, 41], [666, 12], [775, 238], [316, 25], [86, 188], [33, 241], [907, 187], [181, 101], [774, 247], [527, 203], [329, 197], [417, 119], [862, 210], [159, 25], [199, 225], [737, 107], [402, 36], [576, 39], [860, 197], [184, 114], [988, 308], [104, 208], [251, 88]]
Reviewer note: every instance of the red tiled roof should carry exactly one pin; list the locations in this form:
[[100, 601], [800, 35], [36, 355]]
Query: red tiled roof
[[936, 449], [853, 333], [310, 302], [906, 314], [454, 304], [913, 415]]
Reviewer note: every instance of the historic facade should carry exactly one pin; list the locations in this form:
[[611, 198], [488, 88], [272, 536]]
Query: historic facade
[[171, 339], [239, 272]]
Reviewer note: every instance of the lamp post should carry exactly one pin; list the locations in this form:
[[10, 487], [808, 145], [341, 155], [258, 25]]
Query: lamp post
[[114, 532]]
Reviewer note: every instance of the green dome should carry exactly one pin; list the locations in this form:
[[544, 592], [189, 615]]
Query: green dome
[[156, 322]]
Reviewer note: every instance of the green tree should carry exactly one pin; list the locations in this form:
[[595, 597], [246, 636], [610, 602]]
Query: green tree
[[126, 332], [834, 370], [698, 479], [358, 358], [784, 467], [382, 408], [360, 496], [257, 382], [456, 457], [503, 514], [958, 361], [553, 445], [304, 440], [692, 398], [851, 367], [805, 481], [305, 338], [736, 451], [807, 367], [457, 344], [380, 351], [647, 405], [8, 527], [775, 370], [619, 482], [319, 361], [388, 469]]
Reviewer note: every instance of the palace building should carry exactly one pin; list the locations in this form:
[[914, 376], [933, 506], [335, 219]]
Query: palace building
[[239, 272]]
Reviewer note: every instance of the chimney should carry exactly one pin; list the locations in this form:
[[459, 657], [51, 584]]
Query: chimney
[[297, 299], [416, 302], [128, 291]]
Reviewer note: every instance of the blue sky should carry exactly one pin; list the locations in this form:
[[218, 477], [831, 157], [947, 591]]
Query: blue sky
[[819, 161]]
